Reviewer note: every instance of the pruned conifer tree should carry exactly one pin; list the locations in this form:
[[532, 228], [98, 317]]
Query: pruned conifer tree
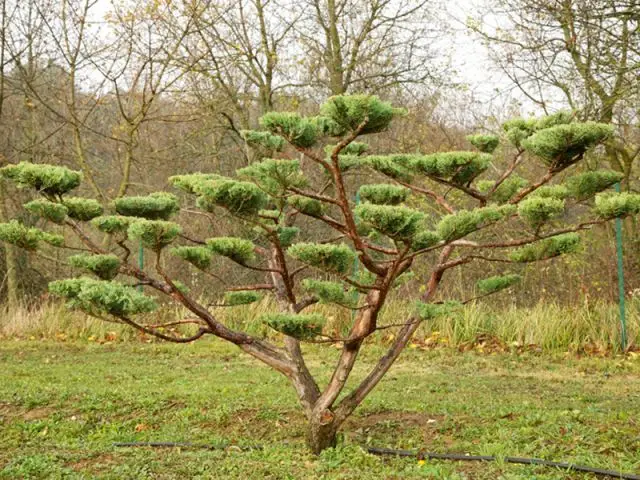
[[440, 211]]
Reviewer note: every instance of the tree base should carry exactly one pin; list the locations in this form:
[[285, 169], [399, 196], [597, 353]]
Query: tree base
[[321, 436]]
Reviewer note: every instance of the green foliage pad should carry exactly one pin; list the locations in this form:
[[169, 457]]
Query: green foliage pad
[[538, 210], [300, 326], [384, 194], [52, 180], [104, 266], [495, 284], [275, 176], [484, 143], [157, 206], [586, 185], [393, 221], [563, 145], [28, 238], [83, 209], [329, 292], [112, 224], [237, 249], [459, 167], [461, 224], [198, 256], [547, 248], [97, 297], [615, 205], [365, 111], [265, 140], [154, 234], [306, 205], [328, 257], [299, 131], [54, 212], [233, 299]]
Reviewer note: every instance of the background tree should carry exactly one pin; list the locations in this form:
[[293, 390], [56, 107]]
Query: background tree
[[368, 46], [580, 54], [455, 219]]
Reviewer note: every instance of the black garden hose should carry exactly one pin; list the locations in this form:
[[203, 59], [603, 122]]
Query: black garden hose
[[409, 453], [488, 458]]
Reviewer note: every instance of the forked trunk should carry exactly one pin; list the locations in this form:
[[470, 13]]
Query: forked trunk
[[321, 435]]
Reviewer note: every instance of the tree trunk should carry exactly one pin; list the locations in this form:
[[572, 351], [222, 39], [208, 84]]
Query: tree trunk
[[321, 434]]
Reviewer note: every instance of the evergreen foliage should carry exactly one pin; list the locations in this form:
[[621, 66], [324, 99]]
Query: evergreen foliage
[[154, 234], [538, 210], [586, 185], [614, 205], [562, 117], [495, 284], [103, 266], [352, 149], [189, 182], [265, 140], [21, 236], [384, 194], [52, 239], [349, 162], [551, 191], [388, 165], [299, 131], [198, 256], [51, 180], [112, 224], [270, 214], [425, 239], [458, 225], [275, 176], [429, 311], [484, 143], [329, 292], [233, 299], [460, 167], [547, 248], [326, 127], [54, 212], [239, 198], [156, 206], [397, 222], [97, 297], [306, 205], [518, 129], [507, 189], [286, 235], [239, 250], [351, 111], [328, 257], [300, 326], [563, 145], [83, 209]]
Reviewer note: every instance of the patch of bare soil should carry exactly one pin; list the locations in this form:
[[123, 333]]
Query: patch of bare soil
[[405, 419]]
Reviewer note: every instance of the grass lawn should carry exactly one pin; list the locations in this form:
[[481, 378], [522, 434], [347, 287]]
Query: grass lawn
[[62, 405]]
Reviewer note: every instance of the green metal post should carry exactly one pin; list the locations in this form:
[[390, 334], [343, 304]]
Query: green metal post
[[623, 321]]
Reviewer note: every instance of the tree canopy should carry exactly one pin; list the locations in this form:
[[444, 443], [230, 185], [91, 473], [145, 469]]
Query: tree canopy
[[433, 210]]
